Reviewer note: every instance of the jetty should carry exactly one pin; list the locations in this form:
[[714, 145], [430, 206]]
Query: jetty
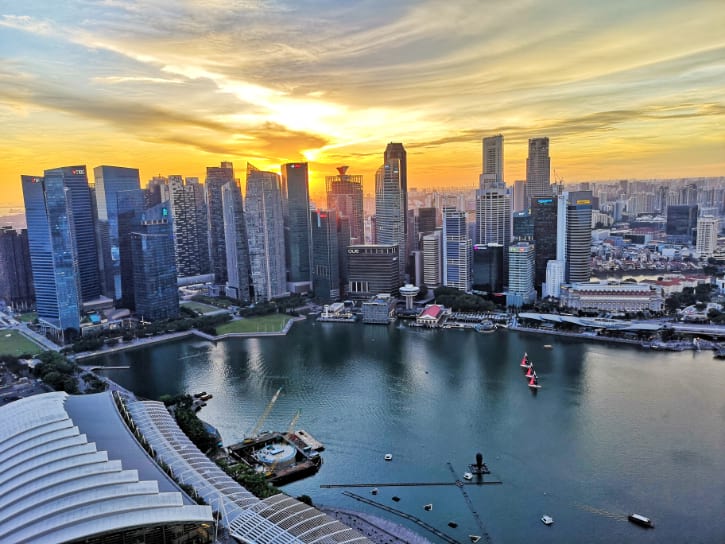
[[309, 441]]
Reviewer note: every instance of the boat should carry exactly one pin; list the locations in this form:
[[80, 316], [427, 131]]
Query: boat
[[388, 456], [467, 476], [452, 524], [199, 395], [205, 396], [534, 383], [474, 538], [485, 326], [641, 520], [530, 373], [428, 507], [374, 491], [547, 520], [525, 361], [396, 498], [548, 346]]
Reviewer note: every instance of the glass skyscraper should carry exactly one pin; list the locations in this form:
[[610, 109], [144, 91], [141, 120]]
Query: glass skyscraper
[[325, 258], [16, 287], [345, 196], [53, 254], [538, 170], [456, 250], [296, 194], [235, 228], [578, 237], [188, 210], [216, 178]]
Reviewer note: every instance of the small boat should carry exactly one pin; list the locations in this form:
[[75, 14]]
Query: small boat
[[641, 521], [205, 396], [199, 395], [534, 383], [474, 538], [396, 498], [374, 491], [547, 520], [428, 507], [467, 476], [530, 373], [548, 346], [452, 524], [388, 456], [525, 361]]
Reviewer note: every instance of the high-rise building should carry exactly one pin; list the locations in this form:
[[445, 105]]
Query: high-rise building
[[265, 229], [432, 259], [681, 223], [521, 274], [130, 208], [523, 226], [390, 215], [395, 151], [707, 231], [554, 278], [578, 237], [109, 182], [493, 215], [190, 224], [492, 163], [427, 220], [216, 178], [235, 234], [75, 180], [16, 287], [456, 250], [53, 256], [155, 289], [544, 215], [372, 270], [343, 242], [325, 256], [345, 196], [296, 195], [538, 170], [488, 267], [519, 196]]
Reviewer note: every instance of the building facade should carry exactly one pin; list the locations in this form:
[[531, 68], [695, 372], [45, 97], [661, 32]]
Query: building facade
[[456, 250], [578, 236], [190, 223], [372, 270], [16, 287], [618, 297], [390, 211], [432, 259], [237, 247], [345, 196], [707, 231], [521, 274], [296, 195], [325, 256], [488, 268], [544, 216], [538, 170], [216, 178]]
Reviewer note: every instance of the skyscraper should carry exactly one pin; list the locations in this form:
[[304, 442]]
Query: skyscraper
[[538, 170], [707, 231], [681, 223], [237, 247], [521, 274], [325, 257], [390, 216], [373, 270], [488, 267], [190, 224], [345, 196], [493, 200], [75, 180], [109, 182], [130, 208], [544, 215], [216, 178], [265, 229], [578, 236], [296, 194], [53, 255], [492, 164], [432, 259], [16, 287], [456, 250]]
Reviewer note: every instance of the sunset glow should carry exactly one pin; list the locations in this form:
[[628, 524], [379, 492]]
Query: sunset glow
[[622, 89]]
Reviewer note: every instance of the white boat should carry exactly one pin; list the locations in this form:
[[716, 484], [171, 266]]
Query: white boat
[[548, 346], [388, 456], [474, 538], [428, 507], [467, 476], [547, 520], [641, 521]]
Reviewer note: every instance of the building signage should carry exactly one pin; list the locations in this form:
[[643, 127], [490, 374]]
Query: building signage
[[78, 171], [545, 201], [585, 201]]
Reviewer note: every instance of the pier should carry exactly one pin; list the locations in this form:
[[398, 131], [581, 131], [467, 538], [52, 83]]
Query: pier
[[457, 483], [308, 440]]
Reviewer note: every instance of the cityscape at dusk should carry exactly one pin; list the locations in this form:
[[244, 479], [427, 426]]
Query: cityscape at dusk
[[623, 89]]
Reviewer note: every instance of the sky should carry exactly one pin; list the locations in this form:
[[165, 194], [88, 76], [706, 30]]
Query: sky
[[623, 89]]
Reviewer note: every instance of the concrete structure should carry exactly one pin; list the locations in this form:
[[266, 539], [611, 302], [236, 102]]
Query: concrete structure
[[492, 160], [538, 170], [345, 196], [379, 310], [191, 226], [456, 250], [390, 210], [409, 292], [237, 248], [372, 269], [493, 215], [521, 274], [707, 231], [554, 279], [611, 297], [432, 259], [216, 178], [16, 289], [431, 316], [578, 236]]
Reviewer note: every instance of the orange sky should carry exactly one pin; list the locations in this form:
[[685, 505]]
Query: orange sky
[[622, 89]]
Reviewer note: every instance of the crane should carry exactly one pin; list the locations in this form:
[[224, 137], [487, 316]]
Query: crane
[[263, 417], [290, 430]]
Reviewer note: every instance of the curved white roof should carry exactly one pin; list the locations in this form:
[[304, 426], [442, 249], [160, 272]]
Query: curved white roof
[[57, 486]]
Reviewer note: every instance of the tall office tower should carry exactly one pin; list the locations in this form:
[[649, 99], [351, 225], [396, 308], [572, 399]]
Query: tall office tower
[[578, 237], [493, 216], [237, 247], [372, 270], [562, 201], [523, 226], [390, 215], [155, 289], [544, 215], [538, 170], [216, 178], [492, 163], [707, 231], [156, 192], [519, 197], [84, 230], [325, 256], [16, 287], [190, 224], [521, 274], [395, 151], [343, 242], [427, 220], [688, 194], [432, 259], [296, 197], [53, 256], [411, 241], [488, 266], [109, 182], [554, 278], [265, 229], [456, 250], [345, 196], [130, 209], [681, 223]]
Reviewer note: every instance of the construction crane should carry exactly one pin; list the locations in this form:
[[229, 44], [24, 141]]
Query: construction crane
[[253, 435], [290, 430]]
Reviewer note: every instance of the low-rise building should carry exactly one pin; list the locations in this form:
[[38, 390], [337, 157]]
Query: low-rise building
[[612, 297], [378, 310], [432, 316]]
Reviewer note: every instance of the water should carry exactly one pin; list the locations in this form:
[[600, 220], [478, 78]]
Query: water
[[614, 430]]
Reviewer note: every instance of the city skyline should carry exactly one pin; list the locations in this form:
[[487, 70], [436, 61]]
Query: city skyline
[[621, 91]]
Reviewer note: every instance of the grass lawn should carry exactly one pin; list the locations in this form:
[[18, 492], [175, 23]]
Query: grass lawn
[[28, 317], [262, 323], [200, 307], [16, 344]]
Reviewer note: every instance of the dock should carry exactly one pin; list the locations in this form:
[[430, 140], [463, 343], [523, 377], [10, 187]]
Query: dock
[[308, 440]]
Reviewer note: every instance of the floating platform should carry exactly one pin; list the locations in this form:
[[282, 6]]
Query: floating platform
[[308, 440]]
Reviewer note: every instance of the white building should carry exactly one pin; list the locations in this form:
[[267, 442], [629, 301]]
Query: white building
[[707, 229], [554, 279], [521, 274], [612, 297], [432, 259]]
